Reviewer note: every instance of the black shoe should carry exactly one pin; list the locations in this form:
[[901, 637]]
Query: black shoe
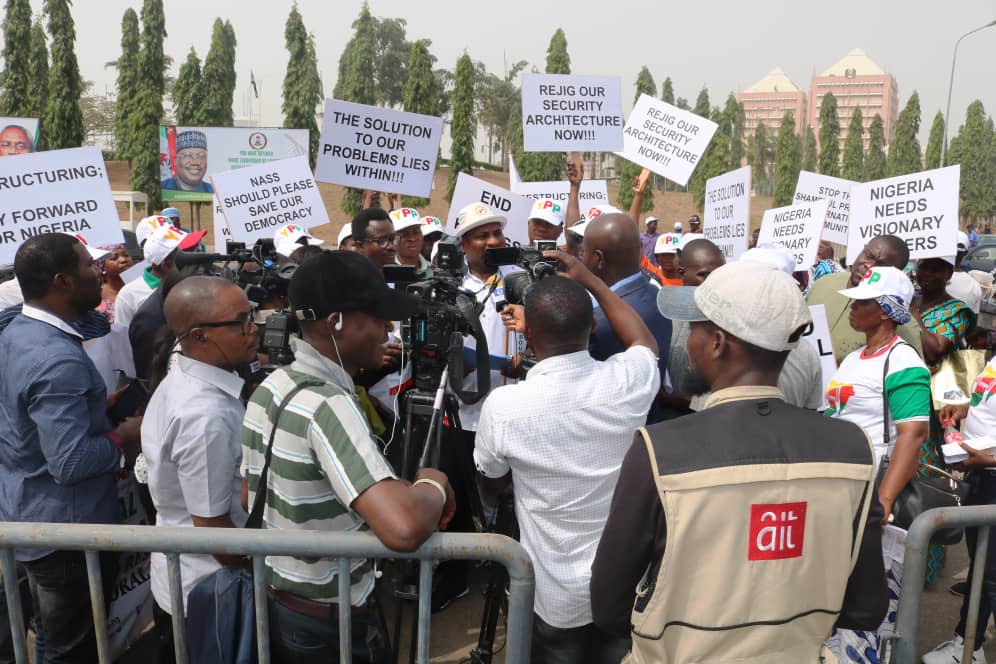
[[960, 589], [449, 589]]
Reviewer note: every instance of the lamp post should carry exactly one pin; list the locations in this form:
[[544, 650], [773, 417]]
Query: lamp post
[[947, 115]]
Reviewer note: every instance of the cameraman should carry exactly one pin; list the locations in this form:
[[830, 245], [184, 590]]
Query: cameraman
[[565, 461]]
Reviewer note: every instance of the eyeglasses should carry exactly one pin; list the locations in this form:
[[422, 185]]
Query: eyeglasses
[[383, 242], [245, 319]]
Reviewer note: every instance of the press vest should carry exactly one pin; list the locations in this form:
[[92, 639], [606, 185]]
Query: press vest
[[765, 506]]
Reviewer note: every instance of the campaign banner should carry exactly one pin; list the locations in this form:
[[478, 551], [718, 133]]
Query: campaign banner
[[59, 191], [189, 156], [369, 147], [921, 208], [516, 208], [797, 228], [666, 139], [564, 113], [18, 136], [258, 200], [820, 339], [727, 212], [593, 192], [813, 187]]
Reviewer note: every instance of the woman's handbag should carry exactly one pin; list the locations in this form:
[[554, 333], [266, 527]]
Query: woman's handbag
[[951, 380]]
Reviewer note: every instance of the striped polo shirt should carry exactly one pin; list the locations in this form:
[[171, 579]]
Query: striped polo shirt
[[324, 457]]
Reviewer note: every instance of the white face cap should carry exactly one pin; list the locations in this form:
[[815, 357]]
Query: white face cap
[[288, 238], [95, 253], [879, 281], [344, 232], [403, 218], [772, 254], [548, 210], [667, 243]]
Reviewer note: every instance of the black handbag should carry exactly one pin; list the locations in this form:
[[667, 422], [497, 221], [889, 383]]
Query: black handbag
[[930, 488]]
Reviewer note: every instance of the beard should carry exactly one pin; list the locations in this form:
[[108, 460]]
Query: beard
[[695, 381]]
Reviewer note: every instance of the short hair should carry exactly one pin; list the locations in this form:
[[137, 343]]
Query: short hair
[[363, 219], [558, 309], [304, 252], [898, 245], [42, 257]]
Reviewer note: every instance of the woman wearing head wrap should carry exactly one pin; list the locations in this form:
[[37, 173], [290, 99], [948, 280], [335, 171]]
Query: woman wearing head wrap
[[111, 267], [884, 387]]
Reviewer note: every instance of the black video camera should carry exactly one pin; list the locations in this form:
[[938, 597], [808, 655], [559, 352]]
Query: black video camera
[[269, 280], [535, 267]]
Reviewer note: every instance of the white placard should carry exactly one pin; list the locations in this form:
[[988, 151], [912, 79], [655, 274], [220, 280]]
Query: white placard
[[135, 271], [821, 341], [921, 208], [797, 228], [516, 208], [56, 191], [593, 192], [813, 187], [562, 113], [368, 147], [666, 139], [727, 212], [258, 200]]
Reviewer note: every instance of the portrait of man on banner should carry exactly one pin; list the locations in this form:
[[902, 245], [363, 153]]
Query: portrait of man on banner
[[188, 154]]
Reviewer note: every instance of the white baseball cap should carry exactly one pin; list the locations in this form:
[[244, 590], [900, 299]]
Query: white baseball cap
[[288, 238], [963, 243], [549, 211], [879, 281], [688, 237], [650, 220], [754, 302], [144, 228], [95, 253], [667, 243], [431, 225], [475, 215], [403, 218], [344, 232], [772, 253], [678, 226], [165, 240]]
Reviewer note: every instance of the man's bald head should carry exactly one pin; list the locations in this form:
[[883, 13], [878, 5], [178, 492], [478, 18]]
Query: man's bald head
[[697, 261], [195, 300], [612, 247]]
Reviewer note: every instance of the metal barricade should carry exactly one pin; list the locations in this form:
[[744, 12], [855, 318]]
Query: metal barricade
[[258, 544], [915, 565]]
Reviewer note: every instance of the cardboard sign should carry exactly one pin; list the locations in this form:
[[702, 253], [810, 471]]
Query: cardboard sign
[[18, 136], [820, 339], [515, 207], [666, 139], [561, 113], [727, 212], [813, 187], [60, 191], [797, 228], [921, 208], [376, 148], [256, 201], [593, 192]]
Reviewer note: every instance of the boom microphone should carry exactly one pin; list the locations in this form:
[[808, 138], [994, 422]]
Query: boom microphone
[[186, 258]]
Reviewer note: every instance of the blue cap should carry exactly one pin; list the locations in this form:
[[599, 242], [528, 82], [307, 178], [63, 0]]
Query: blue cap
[[171, 212]]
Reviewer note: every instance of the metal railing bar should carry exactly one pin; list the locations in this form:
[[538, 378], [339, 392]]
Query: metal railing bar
[[345, 606], [13, 591], [97, 606], [424, 609], [176, 608], [262, 609], [975, 594]]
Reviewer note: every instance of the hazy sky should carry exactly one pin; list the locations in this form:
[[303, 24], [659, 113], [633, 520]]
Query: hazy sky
[[724, 45]]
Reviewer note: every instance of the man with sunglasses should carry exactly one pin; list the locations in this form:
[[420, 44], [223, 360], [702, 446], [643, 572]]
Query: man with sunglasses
[[191, 434]]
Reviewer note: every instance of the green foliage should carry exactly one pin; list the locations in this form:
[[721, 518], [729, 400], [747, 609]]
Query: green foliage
[[787, 161], [667, 91], [464, 127], [546, 166], [644, 84], [702, 107], [682, 103], [218, 78], [62, 123], [391, 60], [875, 162], [558, 61], [829, 162], [422, 95], [715, 160], [357, 81], [760, 156], [499, 110], [904, 151], [978, 165], [151, 59], [144, 175], [854, 149], [733, 119], [127, 85], [15, 98], [810, 151], [627, 170], [188, 91], [302, 82], [933, 156], [38, 74]]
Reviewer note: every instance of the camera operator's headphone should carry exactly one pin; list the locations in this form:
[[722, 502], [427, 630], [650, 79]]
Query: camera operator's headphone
[[338, 323]]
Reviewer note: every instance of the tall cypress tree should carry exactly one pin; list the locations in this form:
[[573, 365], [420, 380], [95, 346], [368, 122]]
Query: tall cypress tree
[[357, 73], [810, 151], [147, 110], [463, 130], [667, 91], [715, 160], [218, 77], [904, 151], [544, 166], [933, 156], [702, 106], [62, 124], [421, 94], [127, 85], [188, 90], [760, 154], [38, 74], [628, 171], [787, 160], [302, 83], [829, 136], [15, 99], [854, 149], [978, 168], [733, 117], [876, 165]]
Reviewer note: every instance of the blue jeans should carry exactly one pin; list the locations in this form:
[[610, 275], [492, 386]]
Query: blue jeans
[[575, 645], [983, 492], [299, 639]]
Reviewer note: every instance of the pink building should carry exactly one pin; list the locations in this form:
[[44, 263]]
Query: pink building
[[767, 101]]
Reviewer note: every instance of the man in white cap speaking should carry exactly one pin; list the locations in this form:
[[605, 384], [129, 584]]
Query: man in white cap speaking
[[408, 231], [546, 220]]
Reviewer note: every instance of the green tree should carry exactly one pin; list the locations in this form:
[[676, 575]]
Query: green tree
[[302, 82], [715, 160], [810, 151], [667, 91], [558, 61], [499, 110], [152, 59], [876, 165], [627, 170], [357, 83], [188, 91], [702, 106], [733, 119], [391, 60], [682, 103], [15, 99], [464, 127], [933, 156], [904, 151], [147, 110], [760, 155], [127, 85], [38, 69], [854, 149], [62, 124], [829, 136], [978, 166], [545, 166], [787, 161], [218, 78], [422, 94]]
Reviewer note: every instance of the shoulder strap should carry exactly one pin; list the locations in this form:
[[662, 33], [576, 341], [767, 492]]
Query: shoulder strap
[[885, 398], [255, 519]]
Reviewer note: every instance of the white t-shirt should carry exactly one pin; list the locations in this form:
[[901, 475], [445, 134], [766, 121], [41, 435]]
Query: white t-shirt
[[981, 418], [10, 293], [130, 298], [855, 393]]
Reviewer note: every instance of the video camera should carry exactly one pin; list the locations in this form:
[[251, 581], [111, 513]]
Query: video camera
[[535, 267]]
